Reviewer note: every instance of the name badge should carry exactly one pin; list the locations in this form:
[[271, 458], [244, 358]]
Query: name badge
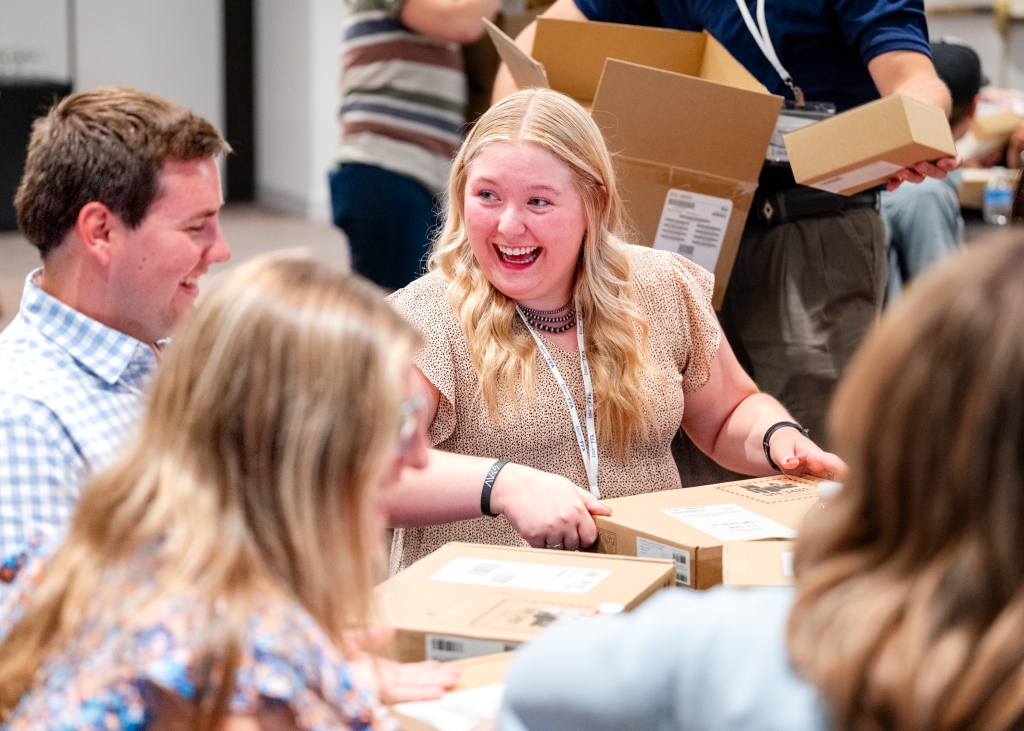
[[792, 118]]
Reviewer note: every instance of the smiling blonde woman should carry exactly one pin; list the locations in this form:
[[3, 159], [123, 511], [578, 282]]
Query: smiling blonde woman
[[558, 357]]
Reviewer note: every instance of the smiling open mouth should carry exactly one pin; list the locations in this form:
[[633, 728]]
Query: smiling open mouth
[[518, 255]]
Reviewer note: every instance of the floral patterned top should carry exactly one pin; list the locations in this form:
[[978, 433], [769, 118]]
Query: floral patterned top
[[99, 680]]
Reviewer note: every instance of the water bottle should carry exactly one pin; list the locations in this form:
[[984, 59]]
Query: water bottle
[[998, 198]]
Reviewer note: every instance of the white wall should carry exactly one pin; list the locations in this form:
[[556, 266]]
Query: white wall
[[297, 71], [38, 27], [169, 47]]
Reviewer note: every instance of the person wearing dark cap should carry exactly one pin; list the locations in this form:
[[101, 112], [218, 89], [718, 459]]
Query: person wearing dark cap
[[923, 221]]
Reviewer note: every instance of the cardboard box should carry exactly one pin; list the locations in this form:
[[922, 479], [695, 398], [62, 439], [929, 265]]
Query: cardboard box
[[476, 692], [972, 186], [865, 146], [466, 600], [687, 124], [676, 523], [758, 563]]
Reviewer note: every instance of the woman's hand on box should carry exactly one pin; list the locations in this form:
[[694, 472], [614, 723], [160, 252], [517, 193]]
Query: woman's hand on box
[[392, 681], [547, 510], [797, 455]]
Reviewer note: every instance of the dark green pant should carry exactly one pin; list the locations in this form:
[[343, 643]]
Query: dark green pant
[[801, 298]]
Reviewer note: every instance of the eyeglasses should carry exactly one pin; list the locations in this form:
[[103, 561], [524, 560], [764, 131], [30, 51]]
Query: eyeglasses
[[409, 420]]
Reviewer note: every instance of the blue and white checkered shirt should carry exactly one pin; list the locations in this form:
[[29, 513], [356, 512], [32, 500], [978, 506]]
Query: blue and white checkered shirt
[[70, 389]]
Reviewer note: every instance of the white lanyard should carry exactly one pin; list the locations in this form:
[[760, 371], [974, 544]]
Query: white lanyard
[[588, 444], [764, 42]]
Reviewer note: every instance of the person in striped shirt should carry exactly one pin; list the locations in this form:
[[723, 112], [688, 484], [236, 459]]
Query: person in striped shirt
[[404, 96]]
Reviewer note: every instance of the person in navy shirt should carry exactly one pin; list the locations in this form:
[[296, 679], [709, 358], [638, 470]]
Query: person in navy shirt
[[809, 279]]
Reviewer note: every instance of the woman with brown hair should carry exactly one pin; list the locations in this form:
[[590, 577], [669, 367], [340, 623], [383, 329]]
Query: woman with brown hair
[[909, 607], [218, 568], [558, 358]]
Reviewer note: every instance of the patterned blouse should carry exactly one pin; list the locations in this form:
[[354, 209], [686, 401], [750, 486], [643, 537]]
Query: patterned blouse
[[100, 679], [674, 297]]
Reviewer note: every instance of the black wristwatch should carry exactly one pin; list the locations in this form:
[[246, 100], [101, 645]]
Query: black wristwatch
[[768, 435]]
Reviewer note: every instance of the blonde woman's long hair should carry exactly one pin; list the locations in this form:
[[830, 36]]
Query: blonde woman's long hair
[[273, 415], [616, 333], [910, 608]]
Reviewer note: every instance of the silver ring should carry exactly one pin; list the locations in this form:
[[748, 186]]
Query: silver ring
[[552, 546]]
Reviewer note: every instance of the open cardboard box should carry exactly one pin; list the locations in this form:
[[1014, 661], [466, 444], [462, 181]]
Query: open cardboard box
[[988, 132], [865, 146], [466, 600], [687, 124], [483, 676], [693, 525]]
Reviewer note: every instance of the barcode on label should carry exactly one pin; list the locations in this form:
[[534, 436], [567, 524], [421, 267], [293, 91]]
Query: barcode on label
[[503, 578], [682, 204], [442, 645], [686, 250], [482, 569]]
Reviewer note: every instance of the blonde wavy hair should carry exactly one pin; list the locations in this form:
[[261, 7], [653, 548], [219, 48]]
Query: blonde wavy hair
[[910, 607], [275, 410], [616, 333]]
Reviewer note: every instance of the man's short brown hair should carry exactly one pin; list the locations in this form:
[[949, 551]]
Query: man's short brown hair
[[107, 145]]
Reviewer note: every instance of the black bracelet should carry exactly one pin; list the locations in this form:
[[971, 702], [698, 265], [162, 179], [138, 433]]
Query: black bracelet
[[768, 435], [485, 494]]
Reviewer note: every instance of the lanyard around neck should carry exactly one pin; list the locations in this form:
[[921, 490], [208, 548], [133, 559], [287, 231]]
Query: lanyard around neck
[[764, 42], [588, 443]]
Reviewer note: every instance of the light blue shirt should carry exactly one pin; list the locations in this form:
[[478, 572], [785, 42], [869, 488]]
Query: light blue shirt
[[685, 661], [70, 389], [923, 222]]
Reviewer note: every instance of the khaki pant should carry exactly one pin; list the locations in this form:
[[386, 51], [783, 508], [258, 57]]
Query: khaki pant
[[801, 298]]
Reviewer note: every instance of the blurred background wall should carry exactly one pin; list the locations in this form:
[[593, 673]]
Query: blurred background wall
[[266, 71]]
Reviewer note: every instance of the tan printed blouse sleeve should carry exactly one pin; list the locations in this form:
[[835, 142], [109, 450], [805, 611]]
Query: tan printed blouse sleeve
[[425, 304], [674, 297]]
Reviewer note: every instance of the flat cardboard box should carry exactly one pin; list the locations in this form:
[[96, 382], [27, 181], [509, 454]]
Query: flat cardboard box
[[652, 525], [865, 146], [758, 563], [687, 124], [477, 672], [972, 186], [466, 600]]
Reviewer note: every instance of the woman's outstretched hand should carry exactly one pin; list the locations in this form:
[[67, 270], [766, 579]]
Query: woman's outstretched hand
[[395, 682], [547, 510], [797, 455]]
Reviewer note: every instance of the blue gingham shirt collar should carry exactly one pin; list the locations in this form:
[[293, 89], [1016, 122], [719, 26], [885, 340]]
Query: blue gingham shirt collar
[[110, 354]]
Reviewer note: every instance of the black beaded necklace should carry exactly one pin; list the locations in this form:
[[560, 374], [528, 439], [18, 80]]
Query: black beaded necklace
[[552, 321]]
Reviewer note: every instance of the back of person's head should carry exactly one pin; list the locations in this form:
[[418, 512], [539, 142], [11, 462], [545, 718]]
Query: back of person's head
[[603, 294], [959, 67], [274, 412], [106, 145], [910, 611]]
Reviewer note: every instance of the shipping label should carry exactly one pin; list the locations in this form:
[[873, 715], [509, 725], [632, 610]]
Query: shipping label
[[859, 176], [787, 563], [730, 522], [693, 225], [517, 575], [772, 490], [652, 549], [448, 647], [527, 617]]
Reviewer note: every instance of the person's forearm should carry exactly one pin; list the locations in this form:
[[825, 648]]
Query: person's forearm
[[928, 89], [447, 490], [740, 443]]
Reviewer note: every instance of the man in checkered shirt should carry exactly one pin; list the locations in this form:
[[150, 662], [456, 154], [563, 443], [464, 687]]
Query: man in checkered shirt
[[121, 195]]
